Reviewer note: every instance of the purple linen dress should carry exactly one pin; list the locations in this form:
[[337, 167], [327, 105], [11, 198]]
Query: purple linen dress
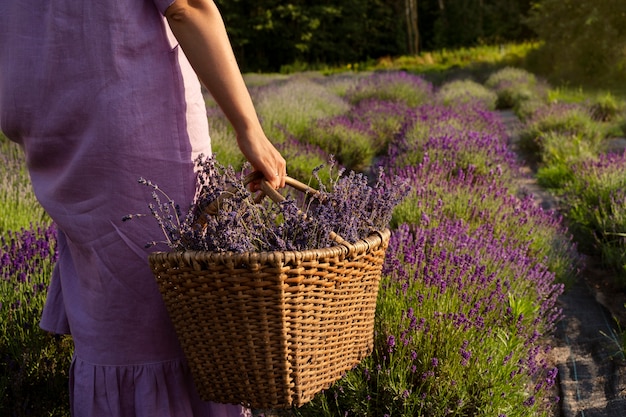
[[99, 95]]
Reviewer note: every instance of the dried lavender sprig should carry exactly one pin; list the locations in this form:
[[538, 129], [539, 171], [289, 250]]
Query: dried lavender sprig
[[348, 206]]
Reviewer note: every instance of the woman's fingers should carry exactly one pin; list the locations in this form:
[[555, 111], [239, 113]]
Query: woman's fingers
[[265, 158]]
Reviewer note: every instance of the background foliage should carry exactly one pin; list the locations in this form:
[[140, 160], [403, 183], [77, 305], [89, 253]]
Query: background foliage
[[583, 42], [268, 35]]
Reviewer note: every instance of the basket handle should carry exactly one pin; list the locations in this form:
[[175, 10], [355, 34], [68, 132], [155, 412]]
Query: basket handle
[[275, 196]]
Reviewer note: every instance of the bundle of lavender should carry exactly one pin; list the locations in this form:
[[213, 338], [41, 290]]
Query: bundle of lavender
[[347, 205]]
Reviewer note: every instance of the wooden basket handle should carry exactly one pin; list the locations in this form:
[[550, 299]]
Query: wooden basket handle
[[267, 190]]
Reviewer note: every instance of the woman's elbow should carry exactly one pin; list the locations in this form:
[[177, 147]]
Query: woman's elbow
[[180, 10]]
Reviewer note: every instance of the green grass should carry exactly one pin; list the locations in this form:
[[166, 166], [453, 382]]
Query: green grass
[[446, 60], [18, 205]]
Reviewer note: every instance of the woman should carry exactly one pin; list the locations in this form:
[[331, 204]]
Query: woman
[[99, 94]]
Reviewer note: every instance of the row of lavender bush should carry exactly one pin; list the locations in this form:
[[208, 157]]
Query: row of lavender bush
[[33, 364], [571, 139], [473, 269]]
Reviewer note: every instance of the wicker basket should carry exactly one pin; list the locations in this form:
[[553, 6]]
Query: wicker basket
[[270, 330]]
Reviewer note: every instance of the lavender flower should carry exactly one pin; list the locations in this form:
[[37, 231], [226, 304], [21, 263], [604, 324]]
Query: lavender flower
[[22, 254]]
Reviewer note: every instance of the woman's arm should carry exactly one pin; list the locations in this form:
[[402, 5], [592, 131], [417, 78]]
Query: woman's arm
[[200, 31]]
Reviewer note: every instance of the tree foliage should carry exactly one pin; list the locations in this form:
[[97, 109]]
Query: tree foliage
[[458, 23], [268, 34], [583, 39]]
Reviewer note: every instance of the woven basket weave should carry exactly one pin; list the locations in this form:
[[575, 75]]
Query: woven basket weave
[[270, 330]]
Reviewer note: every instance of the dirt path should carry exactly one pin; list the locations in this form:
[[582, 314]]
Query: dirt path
[[587, 352], [592, 368]]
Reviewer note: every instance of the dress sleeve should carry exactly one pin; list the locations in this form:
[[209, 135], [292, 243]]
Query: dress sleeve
[[162, 5]]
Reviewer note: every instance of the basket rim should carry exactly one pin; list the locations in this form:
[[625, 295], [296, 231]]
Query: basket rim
[[375, 239]]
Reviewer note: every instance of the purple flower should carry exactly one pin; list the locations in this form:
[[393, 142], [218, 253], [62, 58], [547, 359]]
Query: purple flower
[[391, 343]]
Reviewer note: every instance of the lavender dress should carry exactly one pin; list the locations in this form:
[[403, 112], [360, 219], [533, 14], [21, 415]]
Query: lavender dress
[[99, 95]]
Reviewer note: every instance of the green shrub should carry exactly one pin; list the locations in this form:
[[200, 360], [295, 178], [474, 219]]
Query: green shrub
[[613, 252], [409, 89], [610, 219], [348, 140], [567, 148], [554, 176], [467, 91], [302, 159], [512, 86], [560, 152], [558, 121], [289, 108], [525, 109], [606, 107], [595, 203]]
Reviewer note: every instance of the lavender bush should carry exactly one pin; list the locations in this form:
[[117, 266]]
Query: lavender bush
[[442, 193], [365, 132], [514, 86], [293, 105], [343, 82], [467, 91], [595, 206], [606, 107], [346, 138], [560, 151], [436, 335], [33, 364], [461, 321], [401, 86], [564, 119], [303, 158], [385, 120], [468, 135]]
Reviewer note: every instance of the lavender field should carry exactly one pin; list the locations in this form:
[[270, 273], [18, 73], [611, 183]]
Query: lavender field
[[474, 268]]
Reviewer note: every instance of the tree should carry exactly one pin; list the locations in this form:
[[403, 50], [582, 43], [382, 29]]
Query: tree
[[413, 35]]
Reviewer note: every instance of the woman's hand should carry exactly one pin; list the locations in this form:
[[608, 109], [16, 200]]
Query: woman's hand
[[264, 158], [200, 31]]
